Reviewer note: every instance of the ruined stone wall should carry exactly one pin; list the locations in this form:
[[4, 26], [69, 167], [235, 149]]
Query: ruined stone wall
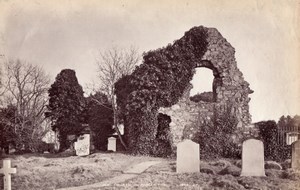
[[229, 87]]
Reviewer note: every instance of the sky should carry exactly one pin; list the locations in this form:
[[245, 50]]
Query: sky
[[70, 34]]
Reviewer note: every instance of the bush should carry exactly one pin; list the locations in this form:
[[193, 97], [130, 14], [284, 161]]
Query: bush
[[268, 132], [215, 137], [43, 146]]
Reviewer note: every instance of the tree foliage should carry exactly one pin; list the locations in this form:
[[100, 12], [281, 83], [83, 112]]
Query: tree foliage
[[66, 104], [25, 90], [100, 119], [289, 123], [7, 122], [112, 65]]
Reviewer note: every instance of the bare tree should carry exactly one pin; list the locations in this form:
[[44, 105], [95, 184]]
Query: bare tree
[[112, 65], [26, 88]]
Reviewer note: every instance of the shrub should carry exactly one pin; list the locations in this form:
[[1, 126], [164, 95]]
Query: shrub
[[43, 146], [268, 132], [215, 137]]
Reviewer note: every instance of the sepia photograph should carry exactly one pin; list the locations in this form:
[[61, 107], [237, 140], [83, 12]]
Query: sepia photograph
[[150, 95]]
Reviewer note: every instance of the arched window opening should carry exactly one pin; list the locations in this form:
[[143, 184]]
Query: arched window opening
[[203, 86]]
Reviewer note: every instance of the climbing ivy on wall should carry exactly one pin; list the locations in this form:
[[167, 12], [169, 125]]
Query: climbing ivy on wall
[[159, 82]]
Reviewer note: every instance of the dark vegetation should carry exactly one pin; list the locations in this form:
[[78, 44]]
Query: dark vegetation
[[23, 95], [204, 96], [270, 134], [66, 105], [215, 138], [159, 82], [99, 115]]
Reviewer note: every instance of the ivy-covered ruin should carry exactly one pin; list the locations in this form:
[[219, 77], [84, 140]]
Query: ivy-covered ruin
[[154, 100]]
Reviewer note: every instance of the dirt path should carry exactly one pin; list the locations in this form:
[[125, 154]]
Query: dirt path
[[129, 173]]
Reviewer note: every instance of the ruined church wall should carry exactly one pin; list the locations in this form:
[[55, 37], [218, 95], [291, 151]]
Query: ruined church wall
[[229, 86]]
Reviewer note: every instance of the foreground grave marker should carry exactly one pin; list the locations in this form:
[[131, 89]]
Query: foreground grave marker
[[7, 171], [112, 144], [188, 157], [82, 146], [253, 163]]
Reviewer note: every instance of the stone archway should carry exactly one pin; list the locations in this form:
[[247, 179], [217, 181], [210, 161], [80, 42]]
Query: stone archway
[[210, 96]]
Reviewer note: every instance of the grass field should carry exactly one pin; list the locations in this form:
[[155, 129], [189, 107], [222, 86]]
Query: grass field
[[47, 171]]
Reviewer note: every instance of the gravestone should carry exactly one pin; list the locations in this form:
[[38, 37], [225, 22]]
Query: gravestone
[[112, 144], [253, 163], [82, 145], [7, 171], [188, 157], [296, 155]]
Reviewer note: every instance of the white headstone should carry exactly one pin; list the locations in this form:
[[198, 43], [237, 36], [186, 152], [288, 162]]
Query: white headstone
[[188, 157], [82, 145], [7, 171], [253, 163], [112, 144]]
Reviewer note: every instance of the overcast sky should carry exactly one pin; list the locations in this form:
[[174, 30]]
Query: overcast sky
[[68, 34]]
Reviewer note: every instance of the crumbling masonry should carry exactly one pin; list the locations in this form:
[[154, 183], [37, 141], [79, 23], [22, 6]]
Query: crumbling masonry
[[229, 86]]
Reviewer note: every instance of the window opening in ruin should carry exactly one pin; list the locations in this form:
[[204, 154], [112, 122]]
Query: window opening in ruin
[[202, 85]]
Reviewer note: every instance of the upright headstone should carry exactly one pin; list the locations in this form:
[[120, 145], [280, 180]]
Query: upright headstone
[[82, 145], [112, 144], [7, 171], [56, 141], [253, 163], [296, 155], [188, 157]]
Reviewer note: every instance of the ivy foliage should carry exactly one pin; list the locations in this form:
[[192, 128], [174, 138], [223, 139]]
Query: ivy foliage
[[159, 82]]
